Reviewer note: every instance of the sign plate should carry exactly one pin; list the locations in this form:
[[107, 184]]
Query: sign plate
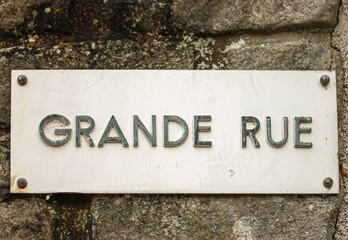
[[173, 131]]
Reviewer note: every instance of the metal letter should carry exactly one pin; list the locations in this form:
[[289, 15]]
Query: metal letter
[[137, 123], [250, 132], [107, 139], [197, 129], [84, 131], [183, 124], [269, 133], [298, 130], [66, 132]]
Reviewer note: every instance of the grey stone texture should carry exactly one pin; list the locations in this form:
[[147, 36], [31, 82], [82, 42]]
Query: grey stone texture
[[105, 18], [340, 43], [178, 34], [303, 50], [25, 16], [4, 158], [214, 217], [205, 16], [151, 16], [25, 218]]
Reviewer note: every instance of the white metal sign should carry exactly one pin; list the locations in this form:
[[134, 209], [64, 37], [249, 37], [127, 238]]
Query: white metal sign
[[173, 131]]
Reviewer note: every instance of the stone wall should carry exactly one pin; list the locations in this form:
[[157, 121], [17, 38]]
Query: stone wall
[[173, 34]]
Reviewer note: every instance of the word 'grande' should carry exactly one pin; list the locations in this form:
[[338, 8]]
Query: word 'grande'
[[137, 124]]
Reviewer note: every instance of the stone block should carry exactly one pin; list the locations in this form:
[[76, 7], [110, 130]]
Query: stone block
[[217, 17]]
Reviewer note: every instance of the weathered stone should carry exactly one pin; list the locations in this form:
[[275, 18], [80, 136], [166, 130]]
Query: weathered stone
[[89, 20], [279, 51], [71, 216], [30, 16], [25, 218], [150, 16], [214, 217], [5, 83], [151, 54], [340, 43], [231, 15], [4, 158], [104, 19], [83, 19]]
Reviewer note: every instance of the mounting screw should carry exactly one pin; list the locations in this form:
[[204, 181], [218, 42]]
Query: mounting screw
[[22, 182], [22, 79], [328, 182], [325, 79]]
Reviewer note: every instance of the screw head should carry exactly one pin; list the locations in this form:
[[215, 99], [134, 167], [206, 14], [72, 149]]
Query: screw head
[[325, 79], [22, 182], [22, 79], [328, 182]]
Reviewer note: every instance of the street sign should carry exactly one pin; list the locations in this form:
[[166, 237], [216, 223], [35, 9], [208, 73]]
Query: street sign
[[173, 131]]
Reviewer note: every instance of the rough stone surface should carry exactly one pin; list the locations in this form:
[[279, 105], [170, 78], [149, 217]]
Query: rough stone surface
[[25, 218], [150, 16], [279, 51], [24, 16], [340, 43], [4, 158], [231, 15], [214, 217], [87, 19], [70, 216]]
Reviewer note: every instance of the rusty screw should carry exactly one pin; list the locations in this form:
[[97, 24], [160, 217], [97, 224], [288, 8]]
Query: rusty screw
[[328, 182], [22, 182], [325, 79], [22, 79]]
